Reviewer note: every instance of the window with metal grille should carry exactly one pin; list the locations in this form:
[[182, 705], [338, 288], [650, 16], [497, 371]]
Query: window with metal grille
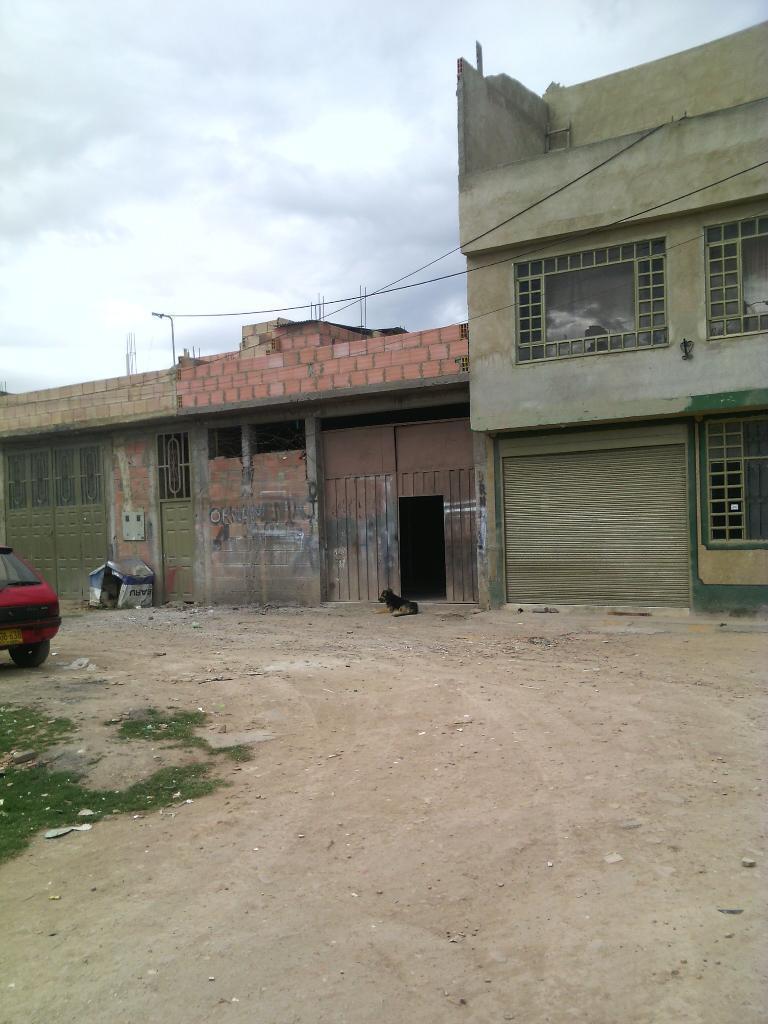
[[40, 473], [737, 277], [737, 479], [611, 299], [286, 436], [173, 466], [17, 482], [64, 477], [90, 475], [225, 443]]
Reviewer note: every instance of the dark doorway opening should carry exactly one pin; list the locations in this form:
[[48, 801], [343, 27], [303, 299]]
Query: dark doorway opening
[[422, 547]]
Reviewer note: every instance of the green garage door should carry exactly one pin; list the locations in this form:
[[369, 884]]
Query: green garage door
[[598, 527], [55, 514]]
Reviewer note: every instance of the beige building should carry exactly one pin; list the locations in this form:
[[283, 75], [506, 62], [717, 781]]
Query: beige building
[[616, 234]]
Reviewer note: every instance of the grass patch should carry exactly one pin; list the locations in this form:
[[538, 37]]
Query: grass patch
[[36, 798], [26, 729], [178, 728], [156, 725]]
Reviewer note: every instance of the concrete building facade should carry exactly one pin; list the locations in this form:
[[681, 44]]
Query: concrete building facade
[[616, 234], [315, 462]]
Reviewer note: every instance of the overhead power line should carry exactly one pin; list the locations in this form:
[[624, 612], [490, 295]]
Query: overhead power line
[[395, 287]]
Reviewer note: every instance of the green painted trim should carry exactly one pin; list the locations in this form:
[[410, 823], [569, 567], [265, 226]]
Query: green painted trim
[[719, 597], [719, 545], [726, 400]]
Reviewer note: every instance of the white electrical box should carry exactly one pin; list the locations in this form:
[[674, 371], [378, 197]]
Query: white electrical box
[[133, 524]]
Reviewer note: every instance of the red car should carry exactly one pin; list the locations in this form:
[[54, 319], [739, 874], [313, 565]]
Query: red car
[[29, 611]]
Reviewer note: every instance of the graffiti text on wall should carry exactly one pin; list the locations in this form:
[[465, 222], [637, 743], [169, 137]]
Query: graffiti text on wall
[[283, 510]]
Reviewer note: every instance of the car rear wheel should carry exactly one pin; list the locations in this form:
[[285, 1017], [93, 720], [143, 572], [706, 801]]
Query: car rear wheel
[[30, 655]]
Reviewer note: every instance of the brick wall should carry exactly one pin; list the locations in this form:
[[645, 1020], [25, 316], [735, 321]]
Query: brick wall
[[117, 399], [290, 362], [133, 482], [262, 531]]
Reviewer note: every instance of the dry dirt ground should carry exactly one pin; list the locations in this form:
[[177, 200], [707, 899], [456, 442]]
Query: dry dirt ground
[[421, 835]]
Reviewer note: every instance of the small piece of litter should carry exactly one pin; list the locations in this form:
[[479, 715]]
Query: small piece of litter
[[54, 897], [54, 833], [730, 910], [747, 862], [85, 813], [551, 864], [613, 858]]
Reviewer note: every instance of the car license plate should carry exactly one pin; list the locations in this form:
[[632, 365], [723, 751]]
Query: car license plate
[[10, 636]]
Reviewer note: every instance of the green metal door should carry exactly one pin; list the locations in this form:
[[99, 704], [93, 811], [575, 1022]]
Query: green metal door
[[29, 509], [55, 513], [176, 516], [178, 549]]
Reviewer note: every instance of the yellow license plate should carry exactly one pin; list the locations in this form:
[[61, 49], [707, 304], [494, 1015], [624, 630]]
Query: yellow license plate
[[10, 636]]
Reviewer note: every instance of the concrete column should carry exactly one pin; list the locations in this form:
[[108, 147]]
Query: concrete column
[[316, 539], [490, 548], [198, 457]]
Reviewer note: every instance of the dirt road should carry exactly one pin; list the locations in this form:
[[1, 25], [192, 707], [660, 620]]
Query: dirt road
[[421, 836]]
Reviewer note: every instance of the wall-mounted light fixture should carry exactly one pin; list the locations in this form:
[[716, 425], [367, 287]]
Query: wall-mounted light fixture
[[686, 347]]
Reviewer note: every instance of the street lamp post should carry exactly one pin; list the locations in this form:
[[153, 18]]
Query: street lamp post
[[168, 316]]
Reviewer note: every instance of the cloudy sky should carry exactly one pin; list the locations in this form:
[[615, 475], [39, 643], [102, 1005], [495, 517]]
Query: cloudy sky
[[187, 156]]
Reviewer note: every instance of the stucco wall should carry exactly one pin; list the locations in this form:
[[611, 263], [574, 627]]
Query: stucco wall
[[500, 121], [622, 385], [675, 160], [719, 74]]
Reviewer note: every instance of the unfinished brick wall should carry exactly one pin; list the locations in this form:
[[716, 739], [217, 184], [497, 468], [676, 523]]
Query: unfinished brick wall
[[133, 483], [262, 530], [117, 399], [321, 358]]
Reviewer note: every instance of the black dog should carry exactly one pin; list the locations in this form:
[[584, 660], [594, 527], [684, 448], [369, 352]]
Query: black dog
[[398, 605]]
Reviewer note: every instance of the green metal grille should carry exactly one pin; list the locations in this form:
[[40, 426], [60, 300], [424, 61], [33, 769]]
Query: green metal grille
[[648, 260], [728, 312], [17, 481], [90, 475], [173, 466]]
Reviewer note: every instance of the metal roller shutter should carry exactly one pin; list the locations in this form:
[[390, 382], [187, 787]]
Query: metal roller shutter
[[598, 527]]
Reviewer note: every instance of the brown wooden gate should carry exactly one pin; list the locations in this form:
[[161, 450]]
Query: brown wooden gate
[[366, 470]]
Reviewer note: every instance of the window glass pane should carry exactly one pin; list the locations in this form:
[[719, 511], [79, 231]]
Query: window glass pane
[[754, 266], [593, 302], [757, 498], [756, 437]]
